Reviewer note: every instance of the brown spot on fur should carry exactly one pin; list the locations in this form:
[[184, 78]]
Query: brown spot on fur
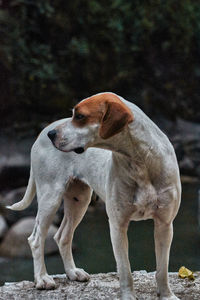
[[76, 199]]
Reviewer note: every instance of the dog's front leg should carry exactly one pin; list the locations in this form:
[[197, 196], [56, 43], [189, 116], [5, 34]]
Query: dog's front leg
[[118, 231], [163, 234]]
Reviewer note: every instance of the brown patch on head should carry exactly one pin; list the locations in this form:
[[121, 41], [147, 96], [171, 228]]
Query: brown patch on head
[[106, 109]]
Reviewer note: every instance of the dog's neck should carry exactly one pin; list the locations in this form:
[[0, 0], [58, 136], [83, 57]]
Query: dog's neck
[[125, 144], [119, 144], [131, 147]]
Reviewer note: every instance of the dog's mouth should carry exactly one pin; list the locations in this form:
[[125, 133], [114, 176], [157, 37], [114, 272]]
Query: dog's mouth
[[63, 145], [79, 150]]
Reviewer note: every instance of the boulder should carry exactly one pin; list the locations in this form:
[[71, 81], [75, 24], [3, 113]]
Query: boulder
[[101, 287], [14, 160], [12, 197], [3, 226], [185, 138], [15, 243]]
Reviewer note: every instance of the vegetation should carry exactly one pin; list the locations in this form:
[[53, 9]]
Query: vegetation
[[54, 53]]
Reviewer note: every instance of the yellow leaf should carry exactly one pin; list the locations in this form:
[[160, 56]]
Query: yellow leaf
[[185, 273]]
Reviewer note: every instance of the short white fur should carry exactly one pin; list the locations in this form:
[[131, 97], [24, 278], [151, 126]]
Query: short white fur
[[137, 177]]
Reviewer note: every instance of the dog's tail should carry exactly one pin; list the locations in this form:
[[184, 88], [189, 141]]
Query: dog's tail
[[28, 197]]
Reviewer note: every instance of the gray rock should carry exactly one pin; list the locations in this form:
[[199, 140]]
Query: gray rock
[[188, 127], [15, 243], [14, 160], [12, 197], [101, 286], [3, 226], [185, 137], [187, 166]]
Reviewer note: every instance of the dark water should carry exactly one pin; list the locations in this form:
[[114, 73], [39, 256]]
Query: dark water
[[94, 251]]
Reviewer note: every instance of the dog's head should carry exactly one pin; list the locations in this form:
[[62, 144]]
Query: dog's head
[[99, 117]]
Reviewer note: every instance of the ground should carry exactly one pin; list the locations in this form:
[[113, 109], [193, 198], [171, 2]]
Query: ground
[[101, 287]]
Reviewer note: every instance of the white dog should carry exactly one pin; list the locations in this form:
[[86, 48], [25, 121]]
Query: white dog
[[137, 176]]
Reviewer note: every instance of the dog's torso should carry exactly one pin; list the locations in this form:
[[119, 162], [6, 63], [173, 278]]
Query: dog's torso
[[141, 180]]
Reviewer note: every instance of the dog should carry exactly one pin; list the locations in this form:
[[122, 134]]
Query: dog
[[109, 146]]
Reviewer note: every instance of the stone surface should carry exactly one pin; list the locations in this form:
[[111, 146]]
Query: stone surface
[[15, 243], [101, 287]]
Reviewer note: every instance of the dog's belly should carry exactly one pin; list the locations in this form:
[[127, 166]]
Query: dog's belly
[[142, 213], [145, 203]]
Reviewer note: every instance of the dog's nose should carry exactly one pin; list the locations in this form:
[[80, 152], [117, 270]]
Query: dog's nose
[[52, 135]]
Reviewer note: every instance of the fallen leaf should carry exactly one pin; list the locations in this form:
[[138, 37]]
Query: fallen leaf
[[185, 273]]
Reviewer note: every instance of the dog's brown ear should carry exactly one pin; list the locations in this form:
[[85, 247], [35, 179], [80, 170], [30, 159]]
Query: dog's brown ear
[[115, 118]]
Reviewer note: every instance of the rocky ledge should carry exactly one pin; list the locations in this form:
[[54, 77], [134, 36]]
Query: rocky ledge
[[101, 286]]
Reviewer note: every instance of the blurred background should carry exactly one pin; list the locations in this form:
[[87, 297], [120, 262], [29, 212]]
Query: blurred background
[[55, 53]]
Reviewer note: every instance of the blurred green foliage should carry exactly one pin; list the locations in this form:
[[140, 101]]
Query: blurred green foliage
[[54, 53]]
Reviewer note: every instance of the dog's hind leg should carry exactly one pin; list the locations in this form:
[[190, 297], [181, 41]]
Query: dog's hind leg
[[48, 204], [76, 200]]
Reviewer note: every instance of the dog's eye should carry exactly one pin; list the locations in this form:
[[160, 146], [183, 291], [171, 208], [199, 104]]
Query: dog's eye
[[79, 117]]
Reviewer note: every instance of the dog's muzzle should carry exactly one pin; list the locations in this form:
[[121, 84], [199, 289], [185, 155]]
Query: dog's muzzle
[[52, 136]]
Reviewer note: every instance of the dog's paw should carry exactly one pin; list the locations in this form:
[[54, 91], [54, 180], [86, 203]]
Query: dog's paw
[[77, 274], [45, 282]]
